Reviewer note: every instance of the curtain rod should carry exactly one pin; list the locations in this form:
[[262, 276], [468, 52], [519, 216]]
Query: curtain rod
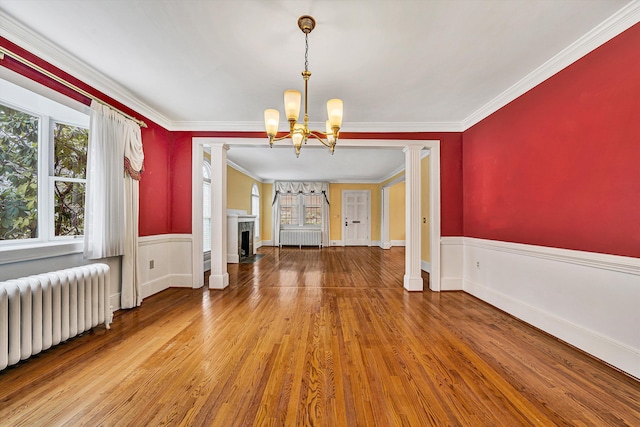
[[4, 51]]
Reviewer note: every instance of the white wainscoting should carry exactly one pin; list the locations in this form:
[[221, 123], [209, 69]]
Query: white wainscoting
[[586, 299], [171, 256], [451, 263]]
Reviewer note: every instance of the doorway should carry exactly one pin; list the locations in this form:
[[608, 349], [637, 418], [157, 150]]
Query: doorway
[[356, 214]]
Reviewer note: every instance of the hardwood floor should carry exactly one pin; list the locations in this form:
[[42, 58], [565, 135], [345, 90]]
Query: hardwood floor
[[316, 337]]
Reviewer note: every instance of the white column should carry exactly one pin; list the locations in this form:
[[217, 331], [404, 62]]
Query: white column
[[219, 278], [386, 241], [413, 274]]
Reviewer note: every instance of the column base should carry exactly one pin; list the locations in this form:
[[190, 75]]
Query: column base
[[219, 281], [413, 284]]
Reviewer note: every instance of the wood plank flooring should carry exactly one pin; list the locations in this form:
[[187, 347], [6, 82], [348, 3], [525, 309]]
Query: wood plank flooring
[[316, 337]]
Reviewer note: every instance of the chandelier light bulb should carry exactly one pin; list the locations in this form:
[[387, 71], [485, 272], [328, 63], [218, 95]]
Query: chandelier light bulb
[[271, 120], [292, 100], [334, 111]]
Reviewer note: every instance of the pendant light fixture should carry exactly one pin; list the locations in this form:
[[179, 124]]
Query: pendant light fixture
[[299, 132]]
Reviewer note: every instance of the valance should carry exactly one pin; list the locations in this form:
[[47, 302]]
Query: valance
[[283, 187]]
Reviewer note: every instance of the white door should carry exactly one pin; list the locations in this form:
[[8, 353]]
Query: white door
[[355, 218]]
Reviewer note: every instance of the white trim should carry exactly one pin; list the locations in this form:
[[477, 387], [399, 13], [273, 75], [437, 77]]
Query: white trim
[[267, 243], [425, 266], [586, 299], [244, 171], [163, 238], [398, 243], [39, 250], [605, 31], [256, 126], [452, 250], [197, 218], [600, 261], [337, 243], [376, 243]]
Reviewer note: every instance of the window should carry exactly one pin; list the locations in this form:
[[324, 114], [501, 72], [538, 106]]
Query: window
[[301, 209], [289, 209], [43, 157], [206, 206], [255, 208], [69, 178], [312, 209]]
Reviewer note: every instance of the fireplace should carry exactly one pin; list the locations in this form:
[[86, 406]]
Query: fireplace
[[245, 239], [240, 236]]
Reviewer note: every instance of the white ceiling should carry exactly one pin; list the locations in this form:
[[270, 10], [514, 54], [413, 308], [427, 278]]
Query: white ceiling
[[399, 65]]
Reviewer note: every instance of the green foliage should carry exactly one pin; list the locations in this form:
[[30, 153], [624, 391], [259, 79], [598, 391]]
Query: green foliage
[[18, 174], [70, 161]]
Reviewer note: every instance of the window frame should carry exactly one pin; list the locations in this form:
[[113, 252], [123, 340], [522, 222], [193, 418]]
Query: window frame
[[206, 181], [30, 97], [301, 211], [255, 198]]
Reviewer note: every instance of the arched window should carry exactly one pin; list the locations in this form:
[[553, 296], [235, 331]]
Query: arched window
[[206, 205], [255, 208]]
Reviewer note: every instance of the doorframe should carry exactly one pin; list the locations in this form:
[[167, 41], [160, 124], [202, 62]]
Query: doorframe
[[344, 228], [433, 145]]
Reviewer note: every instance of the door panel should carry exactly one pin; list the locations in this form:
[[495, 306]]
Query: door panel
[[355, 218]]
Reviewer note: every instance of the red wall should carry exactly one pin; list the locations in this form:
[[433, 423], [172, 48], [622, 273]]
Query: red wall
[[560, 165]]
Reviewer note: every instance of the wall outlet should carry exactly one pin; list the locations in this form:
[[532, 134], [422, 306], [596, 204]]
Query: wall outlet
[[151, 265]]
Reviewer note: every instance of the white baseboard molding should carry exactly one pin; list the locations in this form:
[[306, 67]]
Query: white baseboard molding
[[267, 243], [376, 243], [611, 351], [385, 245], [586, 299], [398, 243], [425, 266], [337, 243], [233, 258]]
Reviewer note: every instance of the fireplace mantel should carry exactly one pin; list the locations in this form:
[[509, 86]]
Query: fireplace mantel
[[237, 222]]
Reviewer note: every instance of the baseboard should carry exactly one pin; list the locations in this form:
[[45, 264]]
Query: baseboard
[[586, 299], [425, 266], [385, 245], [618, 354], [267, 243], [377, 243], [337, 243], [451, 283], [233, 258], [398, 243]]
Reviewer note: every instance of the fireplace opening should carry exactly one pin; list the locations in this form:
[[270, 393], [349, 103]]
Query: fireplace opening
[[245, 244]]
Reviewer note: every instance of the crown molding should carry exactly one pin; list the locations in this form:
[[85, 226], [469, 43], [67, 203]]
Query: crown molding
[[244, 171], [622, 20], [213, 126], [29, 40]]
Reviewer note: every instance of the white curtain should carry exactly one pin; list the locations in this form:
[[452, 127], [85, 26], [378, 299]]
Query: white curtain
[[299, 187], [111, 206]]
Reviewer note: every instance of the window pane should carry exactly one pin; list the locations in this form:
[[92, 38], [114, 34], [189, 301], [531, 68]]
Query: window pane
[[70, 145], [69, 208], [289, 209], [18, 174], [313, 209], [312, 215]]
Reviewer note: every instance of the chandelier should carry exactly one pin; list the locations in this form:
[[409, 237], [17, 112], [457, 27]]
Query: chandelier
[[299, 132]]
